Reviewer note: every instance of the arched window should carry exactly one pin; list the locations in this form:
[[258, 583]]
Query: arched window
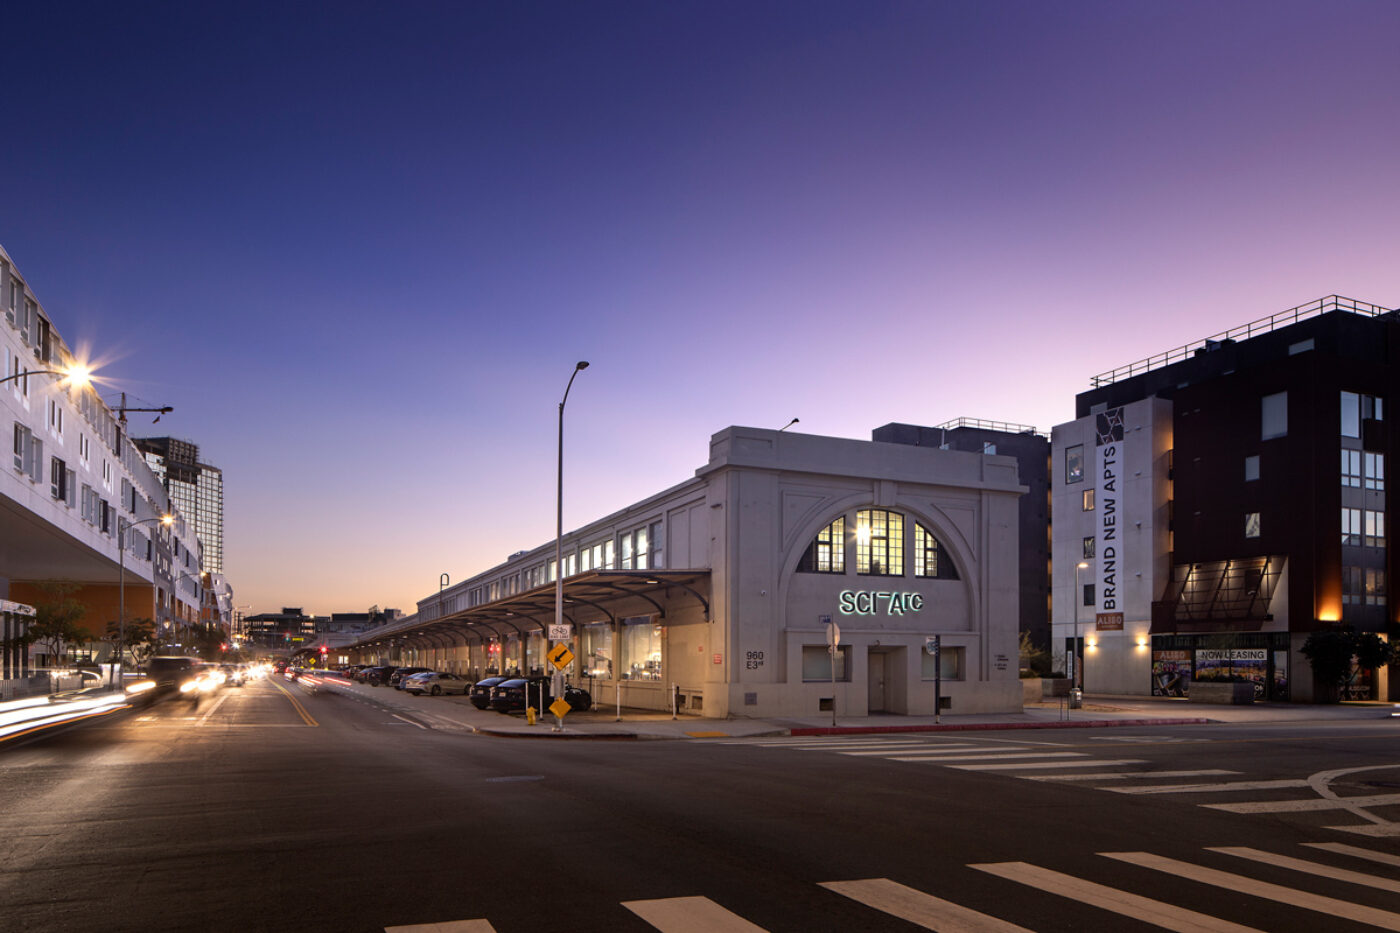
[[827, 552], [929, 559], [879, 543]]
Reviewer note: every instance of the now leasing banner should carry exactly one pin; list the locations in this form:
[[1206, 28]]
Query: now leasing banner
[[1108, 462]]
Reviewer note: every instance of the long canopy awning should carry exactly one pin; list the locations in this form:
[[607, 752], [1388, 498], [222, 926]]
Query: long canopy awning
[[595, 596]]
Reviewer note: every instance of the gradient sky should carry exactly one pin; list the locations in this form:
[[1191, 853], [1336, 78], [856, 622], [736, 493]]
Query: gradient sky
[[359, 246]]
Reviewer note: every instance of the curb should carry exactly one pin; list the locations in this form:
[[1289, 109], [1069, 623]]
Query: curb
[[994, 726], [601, 736]]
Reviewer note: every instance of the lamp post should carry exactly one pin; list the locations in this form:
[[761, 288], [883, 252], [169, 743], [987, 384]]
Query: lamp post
[[1078, 598], [579, 367], [119, 670], [77, 375]]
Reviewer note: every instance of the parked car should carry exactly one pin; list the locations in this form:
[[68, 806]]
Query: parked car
[[481, 692], [396, 678], [436, 683], [515, 694], [377, 676]]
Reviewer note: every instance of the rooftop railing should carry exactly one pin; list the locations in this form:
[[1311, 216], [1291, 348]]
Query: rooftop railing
[[982, 424], [1244, 332]]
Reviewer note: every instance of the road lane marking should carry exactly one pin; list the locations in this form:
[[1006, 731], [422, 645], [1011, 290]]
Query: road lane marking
[[1125, 903], [1124, 775], [1311, 868], [1341, 848], [1322, 784], [690, 915], [989, 756], [1011, 765], [915, 906], [453, 926], [1202, 788], [1273, 892], [409, 721], [301, 710], [921, 749], [217, 703], [1311, 804]]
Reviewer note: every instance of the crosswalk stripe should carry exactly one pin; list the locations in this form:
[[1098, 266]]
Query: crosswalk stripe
[[1341, 848], [1126, 903], [1311, 868], [1203, 788], [1374, 830], [1125, 775], [452, 926], [915, 906], [1312, 803], [690, 915], [987, 756], [1274, 892], [1010, 765]]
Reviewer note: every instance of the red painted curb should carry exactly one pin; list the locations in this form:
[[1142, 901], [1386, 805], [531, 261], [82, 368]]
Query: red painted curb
[[986, 726]]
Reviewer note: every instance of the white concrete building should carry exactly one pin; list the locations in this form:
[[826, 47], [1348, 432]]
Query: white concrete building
[[721, 587], [1110, 495], [74, 482]]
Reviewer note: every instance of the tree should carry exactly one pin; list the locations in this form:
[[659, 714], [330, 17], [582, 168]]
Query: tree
[[56, 619], [207, 641], [140, 638], [1331, 653], [1035, 660]]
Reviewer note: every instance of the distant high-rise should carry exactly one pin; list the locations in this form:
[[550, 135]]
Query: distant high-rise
[[196, 488]]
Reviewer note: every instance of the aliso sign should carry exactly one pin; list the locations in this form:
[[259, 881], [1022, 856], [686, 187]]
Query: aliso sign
[[873, 603]]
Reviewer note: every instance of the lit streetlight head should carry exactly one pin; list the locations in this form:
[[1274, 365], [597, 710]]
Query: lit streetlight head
[[1082, 565], [78, 375]]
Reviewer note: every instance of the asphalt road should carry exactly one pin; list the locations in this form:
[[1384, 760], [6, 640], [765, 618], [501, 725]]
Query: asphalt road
[[266, 808]]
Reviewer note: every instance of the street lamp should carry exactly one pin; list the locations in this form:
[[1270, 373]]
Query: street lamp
[[119, 670], [1078, 598], [579, 367], [77, 375]]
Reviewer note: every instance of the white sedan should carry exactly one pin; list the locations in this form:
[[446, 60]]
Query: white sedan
[[437, 683]]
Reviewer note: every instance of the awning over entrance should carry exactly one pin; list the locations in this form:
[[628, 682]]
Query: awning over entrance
[[1229, 591], [595, 596]]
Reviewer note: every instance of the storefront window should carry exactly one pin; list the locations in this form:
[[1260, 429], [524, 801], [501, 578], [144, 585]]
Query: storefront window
[[949, 659], [641, 649], [816, 663], [534, 652], [597, 651]]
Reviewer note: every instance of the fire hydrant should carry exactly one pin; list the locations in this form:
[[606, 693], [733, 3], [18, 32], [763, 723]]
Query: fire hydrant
[[529, 715]]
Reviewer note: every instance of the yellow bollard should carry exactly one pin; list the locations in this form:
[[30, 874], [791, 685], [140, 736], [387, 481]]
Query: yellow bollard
[[529, 715]]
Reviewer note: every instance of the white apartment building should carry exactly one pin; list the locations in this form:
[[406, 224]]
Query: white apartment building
[[720, 589], [75, 481]]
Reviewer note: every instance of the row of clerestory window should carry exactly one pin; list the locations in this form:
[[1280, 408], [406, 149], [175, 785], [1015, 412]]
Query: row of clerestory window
[[879, 545]]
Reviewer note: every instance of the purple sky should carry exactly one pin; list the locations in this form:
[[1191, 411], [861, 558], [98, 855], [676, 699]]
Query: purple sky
[[359, 247]]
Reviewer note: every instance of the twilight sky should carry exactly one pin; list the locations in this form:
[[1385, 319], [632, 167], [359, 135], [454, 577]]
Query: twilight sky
[[359, 246]]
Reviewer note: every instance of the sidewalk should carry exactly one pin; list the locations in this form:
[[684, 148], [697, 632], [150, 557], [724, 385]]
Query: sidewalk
[[457, 713]]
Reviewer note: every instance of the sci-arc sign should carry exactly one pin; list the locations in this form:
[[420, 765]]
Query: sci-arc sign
[[872, 603]]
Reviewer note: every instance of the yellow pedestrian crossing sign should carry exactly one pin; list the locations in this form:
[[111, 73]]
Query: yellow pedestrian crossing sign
[[560, 707], [560, 656]]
